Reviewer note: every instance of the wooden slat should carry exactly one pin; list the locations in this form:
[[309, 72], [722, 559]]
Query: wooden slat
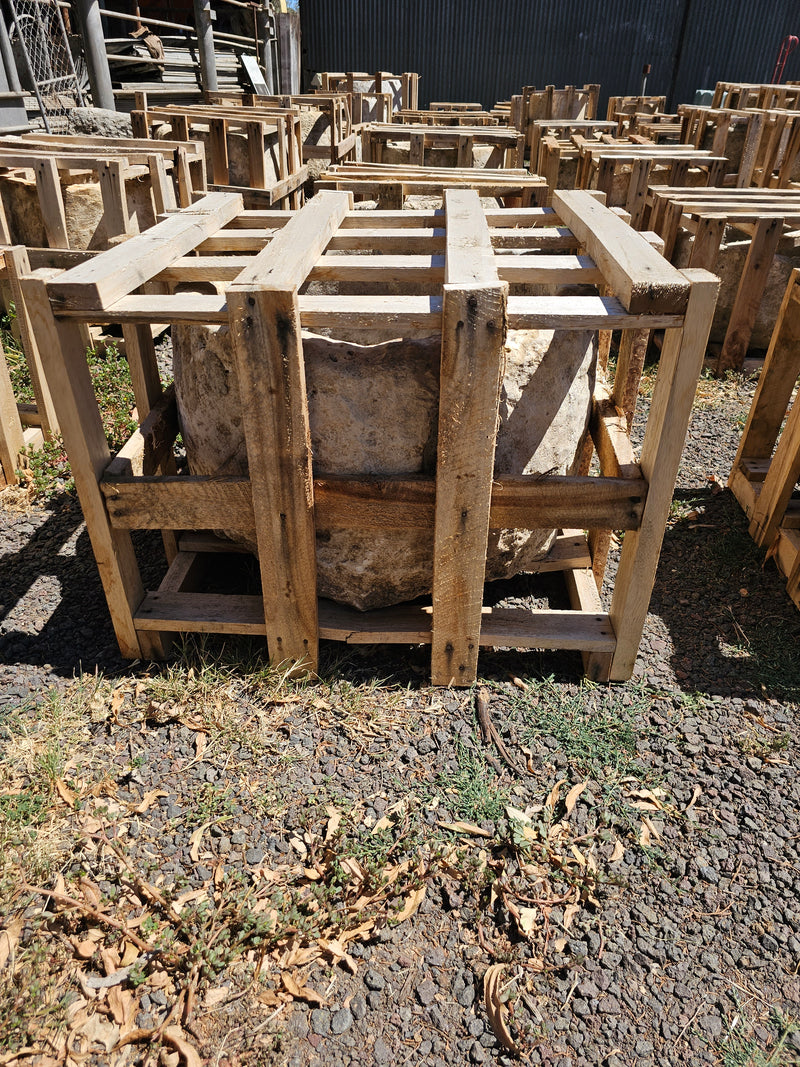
[[112, 275], [218, 613], [292, 253], [471, 368], [518, 502], [641, 278], [415, 314]]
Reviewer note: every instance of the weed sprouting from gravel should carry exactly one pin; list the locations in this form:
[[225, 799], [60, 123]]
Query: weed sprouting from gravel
[[472, 791]]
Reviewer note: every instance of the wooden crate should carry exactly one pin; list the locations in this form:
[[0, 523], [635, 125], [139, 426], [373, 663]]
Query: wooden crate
[[601, 164], [24, 424], [169, 167], [284, 499], [507, 144], [624, 110], [443, 105], [771, 142], [767, 467], [767, 216], [335, 107], [390, 185], [442, 117], [564, 132], [756, 94], [404, 87], [256, 124], [551, 103]]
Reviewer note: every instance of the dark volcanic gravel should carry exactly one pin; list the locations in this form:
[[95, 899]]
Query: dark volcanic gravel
[[690, 954]]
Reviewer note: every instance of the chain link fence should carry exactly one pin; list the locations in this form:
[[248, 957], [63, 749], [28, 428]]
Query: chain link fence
[[40, 42]]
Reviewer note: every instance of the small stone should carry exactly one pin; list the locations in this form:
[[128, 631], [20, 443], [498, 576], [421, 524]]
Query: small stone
[[769, 944], [358, 1007], [711, 1024], [708, 874], [381, 1051], [321, 1021], [609, 1006], [341, 1021]]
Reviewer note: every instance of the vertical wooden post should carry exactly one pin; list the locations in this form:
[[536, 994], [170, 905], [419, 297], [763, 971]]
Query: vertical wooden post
[[63, 355], [18, 267], [11, 435], [763, 244], [473, 335], [51, 202], [111, 173], [265, 328], [679, 369]]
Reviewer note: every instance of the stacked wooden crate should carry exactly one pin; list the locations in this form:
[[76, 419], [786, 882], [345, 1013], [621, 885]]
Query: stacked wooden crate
[[283, 498]]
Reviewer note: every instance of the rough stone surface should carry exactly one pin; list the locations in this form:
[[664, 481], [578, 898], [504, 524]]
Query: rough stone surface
[[373, 410], [83, 209], [99, 122], [730, 263]]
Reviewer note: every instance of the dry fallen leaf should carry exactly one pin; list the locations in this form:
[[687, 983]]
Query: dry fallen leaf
[[65, 793], [148, 800], [527, 919], [216, 996], [195, 838], [413, 901], [571, 799], [552, 800], [302, 992], [570, 912], [495, 1008], [464, 828], [9, 938], [173, 1036]]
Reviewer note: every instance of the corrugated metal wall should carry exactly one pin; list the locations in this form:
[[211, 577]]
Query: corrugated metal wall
[[485, 50]]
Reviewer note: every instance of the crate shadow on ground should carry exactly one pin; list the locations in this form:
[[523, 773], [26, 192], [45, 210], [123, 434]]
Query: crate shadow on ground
[[733, 628]]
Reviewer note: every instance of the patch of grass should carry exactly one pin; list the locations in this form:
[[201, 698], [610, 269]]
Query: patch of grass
[[472, 791], [741, 1048], [46, 471]]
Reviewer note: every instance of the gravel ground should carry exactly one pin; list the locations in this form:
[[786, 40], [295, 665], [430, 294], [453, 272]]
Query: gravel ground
[[684, 948]]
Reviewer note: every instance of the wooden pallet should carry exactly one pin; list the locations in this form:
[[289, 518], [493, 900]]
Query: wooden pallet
[[259, 125], [336, 107], [111, 163], [766, 215], [443, 105], [600, 164], [263, 260], [404, 87], [390, 185], [507, 144], [767, 467]]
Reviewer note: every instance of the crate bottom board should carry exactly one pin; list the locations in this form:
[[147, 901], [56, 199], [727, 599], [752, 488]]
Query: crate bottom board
[[404, 624]]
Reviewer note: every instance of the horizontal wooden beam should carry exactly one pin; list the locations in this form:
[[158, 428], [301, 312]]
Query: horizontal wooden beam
[[518, 502], [405, 624]]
